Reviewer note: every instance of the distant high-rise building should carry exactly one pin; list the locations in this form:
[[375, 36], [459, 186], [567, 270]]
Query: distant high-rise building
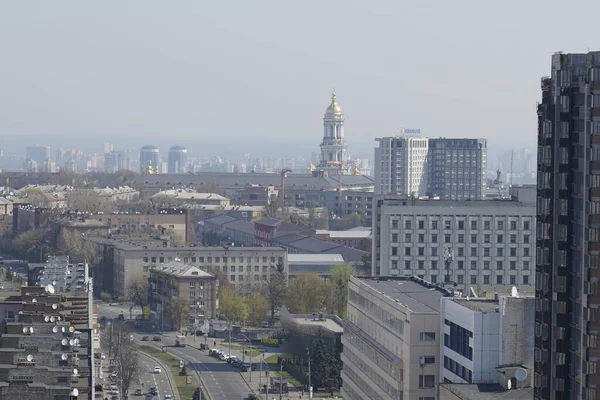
[[177, 160], [39, 154], [567, 321], [149, 159], [108, 147], [447, 168], [118, 160]]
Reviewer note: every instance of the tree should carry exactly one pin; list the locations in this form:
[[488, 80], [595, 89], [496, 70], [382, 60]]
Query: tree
[[321, 361], [365, 267], [74, 245], [137, 292], [85, 200], [233, 306], [106, 297], [126, 356], [338, 281], [307, 294], [350, 221], [276, 288], [143, 206], [35, 197], [258, 306], [272, 209], [178, 311], [30, 244], [221, 277]]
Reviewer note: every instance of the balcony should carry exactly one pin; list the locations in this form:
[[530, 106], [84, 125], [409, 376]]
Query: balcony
[[595, 141], [594, 248], [595, 167], [595, 194], [594, 300], [594, 221], [595, 85], [595, 111], [593, 328]]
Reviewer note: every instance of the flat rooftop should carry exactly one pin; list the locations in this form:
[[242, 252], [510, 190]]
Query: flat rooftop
[[406, 291], [477, 305], [315, 258], [485, 392], [308, 320]]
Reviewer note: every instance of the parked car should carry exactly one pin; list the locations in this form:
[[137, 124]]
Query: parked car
[[252, 396], [168, 397], [138, 392], [223, 356], [153, 391], [156, 339], [157, 370], [230, 358], [145, 338], [137, 324], [149, 396], [114, 397]]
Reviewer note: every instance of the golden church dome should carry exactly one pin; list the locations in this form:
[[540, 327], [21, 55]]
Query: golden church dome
[[334, 108]]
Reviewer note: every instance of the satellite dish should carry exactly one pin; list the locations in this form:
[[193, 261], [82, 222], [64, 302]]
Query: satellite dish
[[75, 372], [76, 341], [64, 357], [64, 342], [75, 392], [53, 282], [52, 319], [514, 292], [34, 300], [63, 329], [29, 358], [509, 384], [25, 330], [31, 330], [54, 306], [71, 329], [47, 318], [58, 318], [55, 329], [521, 374], [71, 342], [50, 289]]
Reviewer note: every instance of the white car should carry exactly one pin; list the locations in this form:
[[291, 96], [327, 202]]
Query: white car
[[157, 370], [223, 356], [168, 397], [113, 387]]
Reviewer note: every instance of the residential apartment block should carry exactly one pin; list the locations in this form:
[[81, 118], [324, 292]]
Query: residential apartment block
[[445, 168], [392, 339], [567, 317], [182, 281], [463, 242]]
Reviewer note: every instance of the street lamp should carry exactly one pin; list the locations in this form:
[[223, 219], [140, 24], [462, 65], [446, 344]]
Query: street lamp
[[281, 378], [229, 330], [244, 355], [309, 382]]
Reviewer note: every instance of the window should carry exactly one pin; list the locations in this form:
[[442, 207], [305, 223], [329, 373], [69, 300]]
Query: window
[[500, 238], [421, 238], [486, 225], [145, 259], [486, 238], [241, 268], [265, 259], [499, 279], [233, 259], [499, 265], [434, 238], [217, 259], [434, 265], [526, 252], [395, 224], [526, 225], [434, 224], [407, 264], [513, 265], [427, 336], [433, 278], [434, 251], [161, 259], [525, 238], [407, 225], [421, 264], [473, 279], [513, 252], [446, 238], [427, 359], [209, 259], [192, 283], [486, 279], [461, 238], [500, 225], [232, 278], [394, 237], [460, 279], [513, 225], [461, 225], [461, 252], [500, 252], [473, 265], [394, 251], [447, 224], [394, 264], [525, 264], [513, 279], [486, 252], [224, 259], [407, 238], [153, 259], [426, 381], [201, 259], [233, 268], [525, 279], [421, 251], [486, 265], [473, 251], [426, 398], [473, 224], [407, 251], [473, 238], [421, 224], [461, 264], [256, 259]]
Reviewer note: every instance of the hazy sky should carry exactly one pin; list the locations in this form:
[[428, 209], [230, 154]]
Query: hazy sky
[[262, 71]]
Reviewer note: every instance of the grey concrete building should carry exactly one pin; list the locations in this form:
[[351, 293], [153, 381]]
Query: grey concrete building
[[177, 160], [445, 168], [568, 244], [479, 242], [391, 340]]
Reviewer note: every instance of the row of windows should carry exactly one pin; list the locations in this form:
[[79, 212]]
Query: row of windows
[[369, 352], [458, 369], [460, 265], [216, 259], [475, 279], [458, 340], [512, 251], [374, 376], [460, 238], [500, 225], [384, 317]]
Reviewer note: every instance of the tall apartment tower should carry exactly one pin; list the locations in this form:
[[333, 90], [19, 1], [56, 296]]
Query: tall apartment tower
[[448, 168], [401, 165], [177, 160], [567, 321], [149, 159]]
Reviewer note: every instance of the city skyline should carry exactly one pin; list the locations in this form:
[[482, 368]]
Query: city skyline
[[146, 80]]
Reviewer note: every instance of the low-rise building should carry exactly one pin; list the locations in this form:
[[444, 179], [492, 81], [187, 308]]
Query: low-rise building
[[313, 264], [180, 281], [392, 339], [358, 238], [190, 197]]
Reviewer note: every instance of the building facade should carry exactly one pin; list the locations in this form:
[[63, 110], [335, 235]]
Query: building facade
[[463, 242], [391, 339], [150, 160], [568, 244], [177, 160], [180, 281], [443, 168]]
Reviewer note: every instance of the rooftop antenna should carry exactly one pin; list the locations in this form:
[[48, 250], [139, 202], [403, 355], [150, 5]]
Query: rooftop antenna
[[514, 292], [512, 156]]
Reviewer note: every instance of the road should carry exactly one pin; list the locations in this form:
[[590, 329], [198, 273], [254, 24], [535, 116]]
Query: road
[[149, 379], [221, 380]]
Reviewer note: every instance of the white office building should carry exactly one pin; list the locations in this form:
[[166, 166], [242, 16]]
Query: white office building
[[478, 242], [401, 165], [391, 339]]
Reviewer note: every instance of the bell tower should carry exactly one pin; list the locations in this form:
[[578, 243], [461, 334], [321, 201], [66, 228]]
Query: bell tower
[[334, 151]]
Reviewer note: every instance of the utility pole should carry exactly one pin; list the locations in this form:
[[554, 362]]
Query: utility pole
[[309, 382], [281, 379]]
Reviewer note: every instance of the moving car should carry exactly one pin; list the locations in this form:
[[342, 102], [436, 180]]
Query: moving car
[[153, 391], [230, 358], [138, 392], [252, 396], [145, 338], [137, 324], [223, 356], [168, 397], [157, 370], [156, 339]]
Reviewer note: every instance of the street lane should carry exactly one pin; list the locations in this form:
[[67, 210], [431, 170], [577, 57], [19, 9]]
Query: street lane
[[221, 380], [149, 379]]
